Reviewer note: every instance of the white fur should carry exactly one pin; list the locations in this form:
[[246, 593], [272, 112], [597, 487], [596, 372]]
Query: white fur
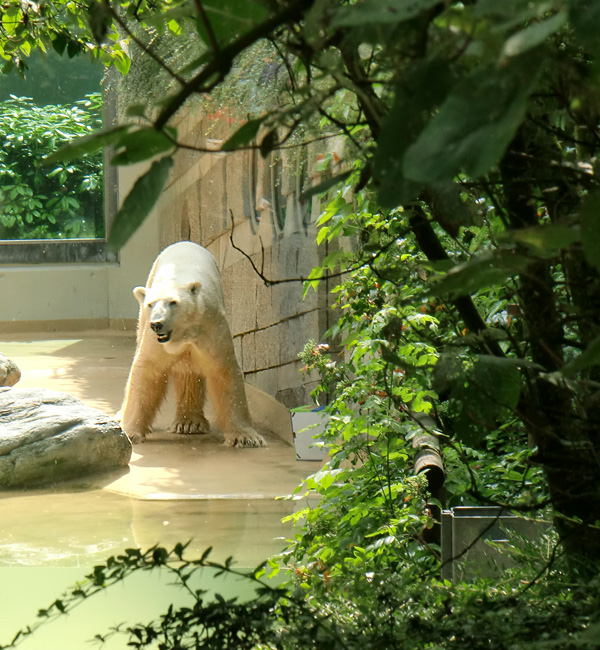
[[184, 296]]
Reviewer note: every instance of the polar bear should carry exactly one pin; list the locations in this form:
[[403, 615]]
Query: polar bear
[[183, 337]]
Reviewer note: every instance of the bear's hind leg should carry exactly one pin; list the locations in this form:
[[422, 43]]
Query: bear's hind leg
[[228, 396], [190, 391]]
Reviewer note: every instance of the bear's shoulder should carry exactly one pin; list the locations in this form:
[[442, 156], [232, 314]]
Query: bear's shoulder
[[188, 259]]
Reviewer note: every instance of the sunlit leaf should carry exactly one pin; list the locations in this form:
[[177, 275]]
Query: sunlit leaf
[[141, 145], [88, 144]]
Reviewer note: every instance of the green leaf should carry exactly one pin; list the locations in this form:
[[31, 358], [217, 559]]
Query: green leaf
[[229, 19], [589, 357], [590, 229], [139, 202], [141, 145], [543, 240], [268, 143], [534, 35], [447, 371], [416, 97], [88, 144], [475, 124], [100, 19], [487, 391], [585, 18], [136, 110], [244, 135], [379, 11], [313, 280], [59, 43], [448, 208], [488, 269]]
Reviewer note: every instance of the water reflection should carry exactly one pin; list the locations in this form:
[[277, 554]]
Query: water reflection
[[82, 528]]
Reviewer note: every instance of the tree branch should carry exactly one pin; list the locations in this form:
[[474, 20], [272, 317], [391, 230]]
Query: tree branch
[[221, 64]]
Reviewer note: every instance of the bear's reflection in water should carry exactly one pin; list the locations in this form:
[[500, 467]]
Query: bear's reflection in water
[[85, 528]]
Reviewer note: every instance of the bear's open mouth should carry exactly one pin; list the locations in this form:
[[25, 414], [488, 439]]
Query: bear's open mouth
[[164, 337]]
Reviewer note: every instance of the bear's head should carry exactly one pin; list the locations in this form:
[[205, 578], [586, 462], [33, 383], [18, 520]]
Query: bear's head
[[171, 312]]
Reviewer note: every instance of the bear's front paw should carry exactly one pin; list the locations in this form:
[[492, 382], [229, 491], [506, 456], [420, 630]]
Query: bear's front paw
[[136, 438], [197, 426], [245, 438]]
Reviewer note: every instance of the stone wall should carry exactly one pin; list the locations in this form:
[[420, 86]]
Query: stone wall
[[209, 193]]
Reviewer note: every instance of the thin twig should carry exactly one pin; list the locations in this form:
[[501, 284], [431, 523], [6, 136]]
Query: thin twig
[[209, 30]]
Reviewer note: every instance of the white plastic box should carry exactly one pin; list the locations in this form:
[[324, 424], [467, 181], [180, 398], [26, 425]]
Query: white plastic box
[[308, 423]]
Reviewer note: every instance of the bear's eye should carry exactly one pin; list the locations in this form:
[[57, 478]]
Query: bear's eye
[[151, 305], [172, 303]]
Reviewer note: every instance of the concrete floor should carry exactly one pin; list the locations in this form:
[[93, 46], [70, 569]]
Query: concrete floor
[[177, 487]]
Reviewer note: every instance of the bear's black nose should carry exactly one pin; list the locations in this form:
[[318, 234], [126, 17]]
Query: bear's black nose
[[156, 326]]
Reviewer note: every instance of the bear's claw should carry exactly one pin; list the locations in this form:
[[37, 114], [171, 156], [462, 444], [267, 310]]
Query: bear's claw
[[245, 440], [136, 438], [192, 427]]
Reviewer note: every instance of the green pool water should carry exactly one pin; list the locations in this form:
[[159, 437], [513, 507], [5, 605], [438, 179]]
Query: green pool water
[[49, 542], [141, 598]]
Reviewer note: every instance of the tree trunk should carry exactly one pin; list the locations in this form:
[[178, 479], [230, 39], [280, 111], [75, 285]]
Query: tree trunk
[[562, 426]]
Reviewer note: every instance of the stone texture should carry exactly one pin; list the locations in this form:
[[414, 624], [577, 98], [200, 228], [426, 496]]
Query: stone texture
[[48, 437], [9, 372]]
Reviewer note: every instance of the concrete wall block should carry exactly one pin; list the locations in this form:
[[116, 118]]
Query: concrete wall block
[[295, 333], [267, 310], [267, 347], [237, 346], [184, 161], [244, 238], [297, 396], [266, 380], [240, 285], [290, 376], [287, 168], [237, 173], [228, 293], [212, 199], [248, 349]]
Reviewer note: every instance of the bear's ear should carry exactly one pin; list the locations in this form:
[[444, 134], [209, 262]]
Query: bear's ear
[[140, 294], [194, 288]]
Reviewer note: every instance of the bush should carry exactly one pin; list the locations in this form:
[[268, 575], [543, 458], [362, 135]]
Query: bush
[[40, 201]]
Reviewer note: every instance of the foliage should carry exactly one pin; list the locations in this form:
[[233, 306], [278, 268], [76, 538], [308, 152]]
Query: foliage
[[40, 202], [397, 609], [464, 236], [60, 25]]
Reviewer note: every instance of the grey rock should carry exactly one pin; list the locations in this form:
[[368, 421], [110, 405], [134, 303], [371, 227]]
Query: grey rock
[[9, 372], [47, 437]]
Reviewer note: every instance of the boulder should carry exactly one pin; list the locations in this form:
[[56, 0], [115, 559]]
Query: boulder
[[48, 437], [9, 373]]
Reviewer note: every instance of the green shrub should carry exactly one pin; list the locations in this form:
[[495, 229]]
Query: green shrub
[[39, 201]]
